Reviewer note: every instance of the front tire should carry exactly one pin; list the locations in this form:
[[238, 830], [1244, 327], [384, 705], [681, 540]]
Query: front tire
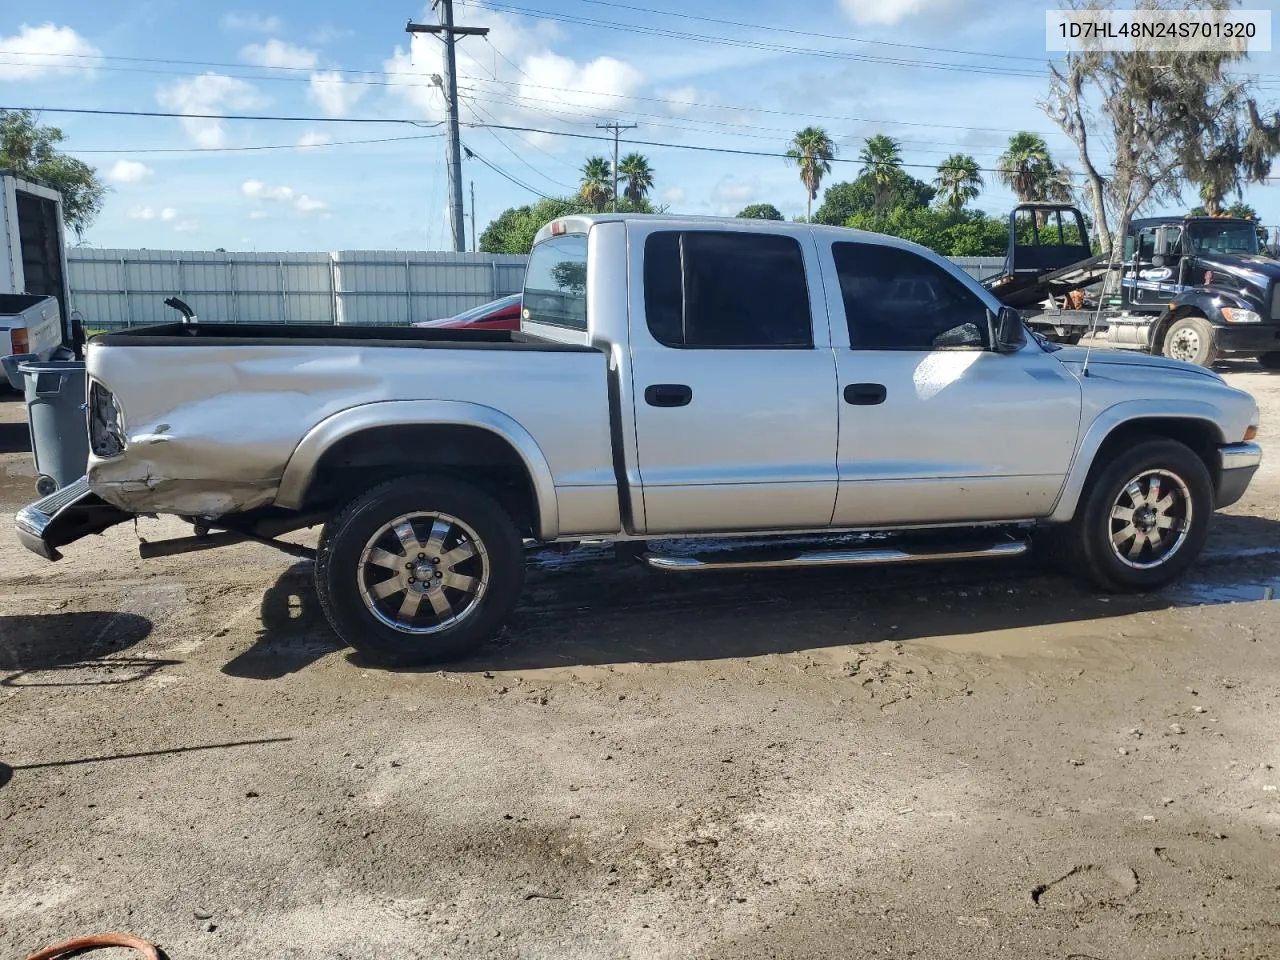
[[1270, 361], [1191, 339], [1145, 517], [419, 570]]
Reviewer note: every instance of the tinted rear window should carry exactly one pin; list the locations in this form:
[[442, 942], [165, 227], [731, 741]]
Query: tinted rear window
[[555, 283]]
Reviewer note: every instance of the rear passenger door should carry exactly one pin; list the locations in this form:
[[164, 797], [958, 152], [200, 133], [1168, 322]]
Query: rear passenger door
[[733, 380]]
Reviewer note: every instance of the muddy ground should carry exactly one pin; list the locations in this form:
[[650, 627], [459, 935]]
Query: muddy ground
[[964, 761]]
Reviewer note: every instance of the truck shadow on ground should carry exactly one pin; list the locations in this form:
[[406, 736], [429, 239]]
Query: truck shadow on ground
[[583, 609], [15, 438], [73, 649]]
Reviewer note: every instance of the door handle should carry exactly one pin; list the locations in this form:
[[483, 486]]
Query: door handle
[[668, 395], [865, 394]]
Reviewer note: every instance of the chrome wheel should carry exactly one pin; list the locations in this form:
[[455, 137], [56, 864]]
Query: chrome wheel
[[423, 573], [1185, 345], [1150, 519]]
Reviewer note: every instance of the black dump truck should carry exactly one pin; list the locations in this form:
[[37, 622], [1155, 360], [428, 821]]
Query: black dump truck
[[1192, 288]]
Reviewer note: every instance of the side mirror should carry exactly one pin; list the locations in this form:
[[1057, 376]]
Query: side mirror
[[1009, 334]]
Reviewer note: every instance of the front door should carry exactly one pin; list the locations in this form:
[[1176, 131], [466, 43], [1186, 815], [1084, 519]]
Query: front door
[[935, 427], [733, 381]]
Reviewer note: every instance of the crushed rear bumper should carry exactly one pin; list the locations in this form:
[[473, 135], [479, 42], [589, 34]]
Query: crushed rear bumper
[[64, 517]]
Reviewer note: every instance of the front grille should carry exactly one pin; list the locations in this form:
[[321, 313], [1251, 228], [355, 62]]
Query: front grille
[[1275, 301]]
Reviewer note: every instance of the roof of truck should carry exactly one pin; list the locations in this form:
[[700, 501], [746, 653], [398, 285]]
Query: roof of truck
[[580, 223]]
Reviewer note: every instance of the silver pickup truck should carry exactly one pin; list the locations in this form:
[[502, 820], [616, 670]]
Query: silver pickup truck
[[675, 383]]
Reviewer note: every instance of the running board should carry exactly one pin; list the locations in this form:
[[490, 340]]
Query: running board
[[868, 557]]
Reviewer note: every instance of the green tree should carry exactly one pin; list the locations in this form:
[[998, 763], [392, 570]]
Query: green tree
[[760, 211], [29, 149], [597, 183], [635, 169], [812, 150], [959, 180], [952, 233], [1028, 169], [881, 158], [844, 200]]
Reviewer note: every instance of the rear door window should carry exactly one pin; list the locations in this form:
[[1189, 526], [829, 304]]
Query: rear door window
[[555, 283], [726, 289]]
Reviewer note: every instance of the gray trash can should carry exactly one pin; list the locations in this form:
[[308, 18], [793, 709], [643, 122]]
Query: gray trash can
[[56, 417]]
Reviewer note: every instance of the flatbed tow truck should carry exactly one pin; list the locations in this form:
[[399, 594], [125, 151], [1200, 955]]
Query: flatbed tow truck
[[1193, 288]]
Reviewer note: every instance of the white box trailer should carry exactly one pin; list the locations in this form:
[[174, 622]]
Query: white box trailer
[[35, 314]]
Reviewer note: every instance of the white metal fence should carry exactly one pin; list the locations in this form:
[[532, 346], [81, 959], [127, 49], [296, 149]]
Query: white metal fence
[[116, 288]]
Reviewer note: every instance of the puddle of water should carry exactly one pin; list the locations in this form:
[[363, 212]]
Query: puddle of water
[[1199, 592]]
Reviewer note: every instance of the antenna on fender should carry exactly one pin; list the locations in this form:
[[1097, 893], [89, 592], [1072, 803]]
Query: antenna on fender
[[1097, 313]]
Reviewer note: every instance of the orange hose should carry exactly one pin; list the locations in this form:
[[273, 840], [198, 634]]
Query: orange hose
[[98, 941]]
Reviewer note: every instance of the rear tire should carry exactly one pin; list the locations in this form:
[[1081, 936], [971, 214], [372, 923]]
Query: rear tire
[[1144, 517], [1270, 361], [1191, 339], [419, 570]]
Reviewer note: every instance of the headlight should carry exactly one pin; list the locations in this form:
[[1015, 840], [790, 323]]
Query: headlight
[[1238, 315], [106, 422]]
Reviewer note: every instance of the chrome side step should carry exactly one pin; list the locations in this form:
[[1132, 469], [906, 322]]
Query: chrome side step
[[870, 556]]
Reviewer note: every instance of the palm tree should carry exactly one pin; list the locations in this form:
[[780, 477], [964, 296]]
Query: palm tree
[[812, 150], [958, 180], [1027, 169], [597, 182], [634, 167], [881, 157]]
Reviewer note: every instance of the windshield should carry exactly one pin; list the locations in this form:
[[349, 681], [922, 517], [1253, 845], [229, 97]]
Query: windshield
[[1231, 236]]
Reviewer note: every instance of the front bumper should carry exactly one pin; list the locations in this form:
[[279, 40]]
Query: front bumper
[[64, 517], [1239, 461], [1252, 338]]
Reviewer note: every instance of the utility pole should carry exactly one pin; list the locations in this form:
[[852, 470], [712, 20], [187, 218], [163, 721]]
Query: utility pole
[[474, 248], [617, 129], [448, 34]]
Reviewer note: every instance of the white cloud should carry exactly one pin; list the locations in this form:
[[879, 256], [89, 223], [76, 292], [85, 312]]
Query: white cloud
[[45, 50], [887, 13], [168, 214], [334, 93], [186, 226], [583, 89], [142, 213], [257, 214], [276, 53], [257, 190], [314, 138], [673, 195], [730, 195], [253, 22], [305, 204], [682, 100], [209, 93], [129, 171]]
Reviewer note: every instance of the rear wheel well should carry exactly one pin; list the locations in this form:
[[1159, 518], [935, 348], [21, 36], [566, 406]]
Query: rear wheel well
[[1201, 436], [472, 455]]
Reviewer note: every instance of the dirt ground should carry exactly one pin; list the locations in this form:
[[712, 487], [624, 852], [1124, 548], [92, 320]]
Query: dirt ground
[[973, 761]]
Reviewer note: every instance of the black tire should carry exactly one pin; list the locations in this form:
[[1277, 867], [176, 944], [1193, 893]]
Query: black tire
[[1270, 361], [1191, 338], [1094, 527], [345, 577]]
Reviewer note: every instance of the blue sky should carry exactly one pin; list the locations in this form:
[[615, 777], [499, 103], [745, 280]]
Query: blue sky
[[546, 65]]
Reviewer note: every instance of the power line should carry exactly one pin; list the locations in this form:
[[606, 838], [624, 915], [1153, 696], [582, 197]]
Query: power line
[[502, 173], [279, 146], [844, 38], [476, 112], [764, 45], [219, 116]]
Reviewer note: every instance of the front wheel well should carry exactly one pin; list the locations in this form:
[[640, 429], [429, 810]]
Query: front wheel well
[[1201, 436], [472, 455], [1161, 326]]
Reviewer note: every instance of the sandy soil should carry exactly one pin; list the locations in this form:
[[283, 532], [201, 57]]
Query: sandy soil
[[963, 761]]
